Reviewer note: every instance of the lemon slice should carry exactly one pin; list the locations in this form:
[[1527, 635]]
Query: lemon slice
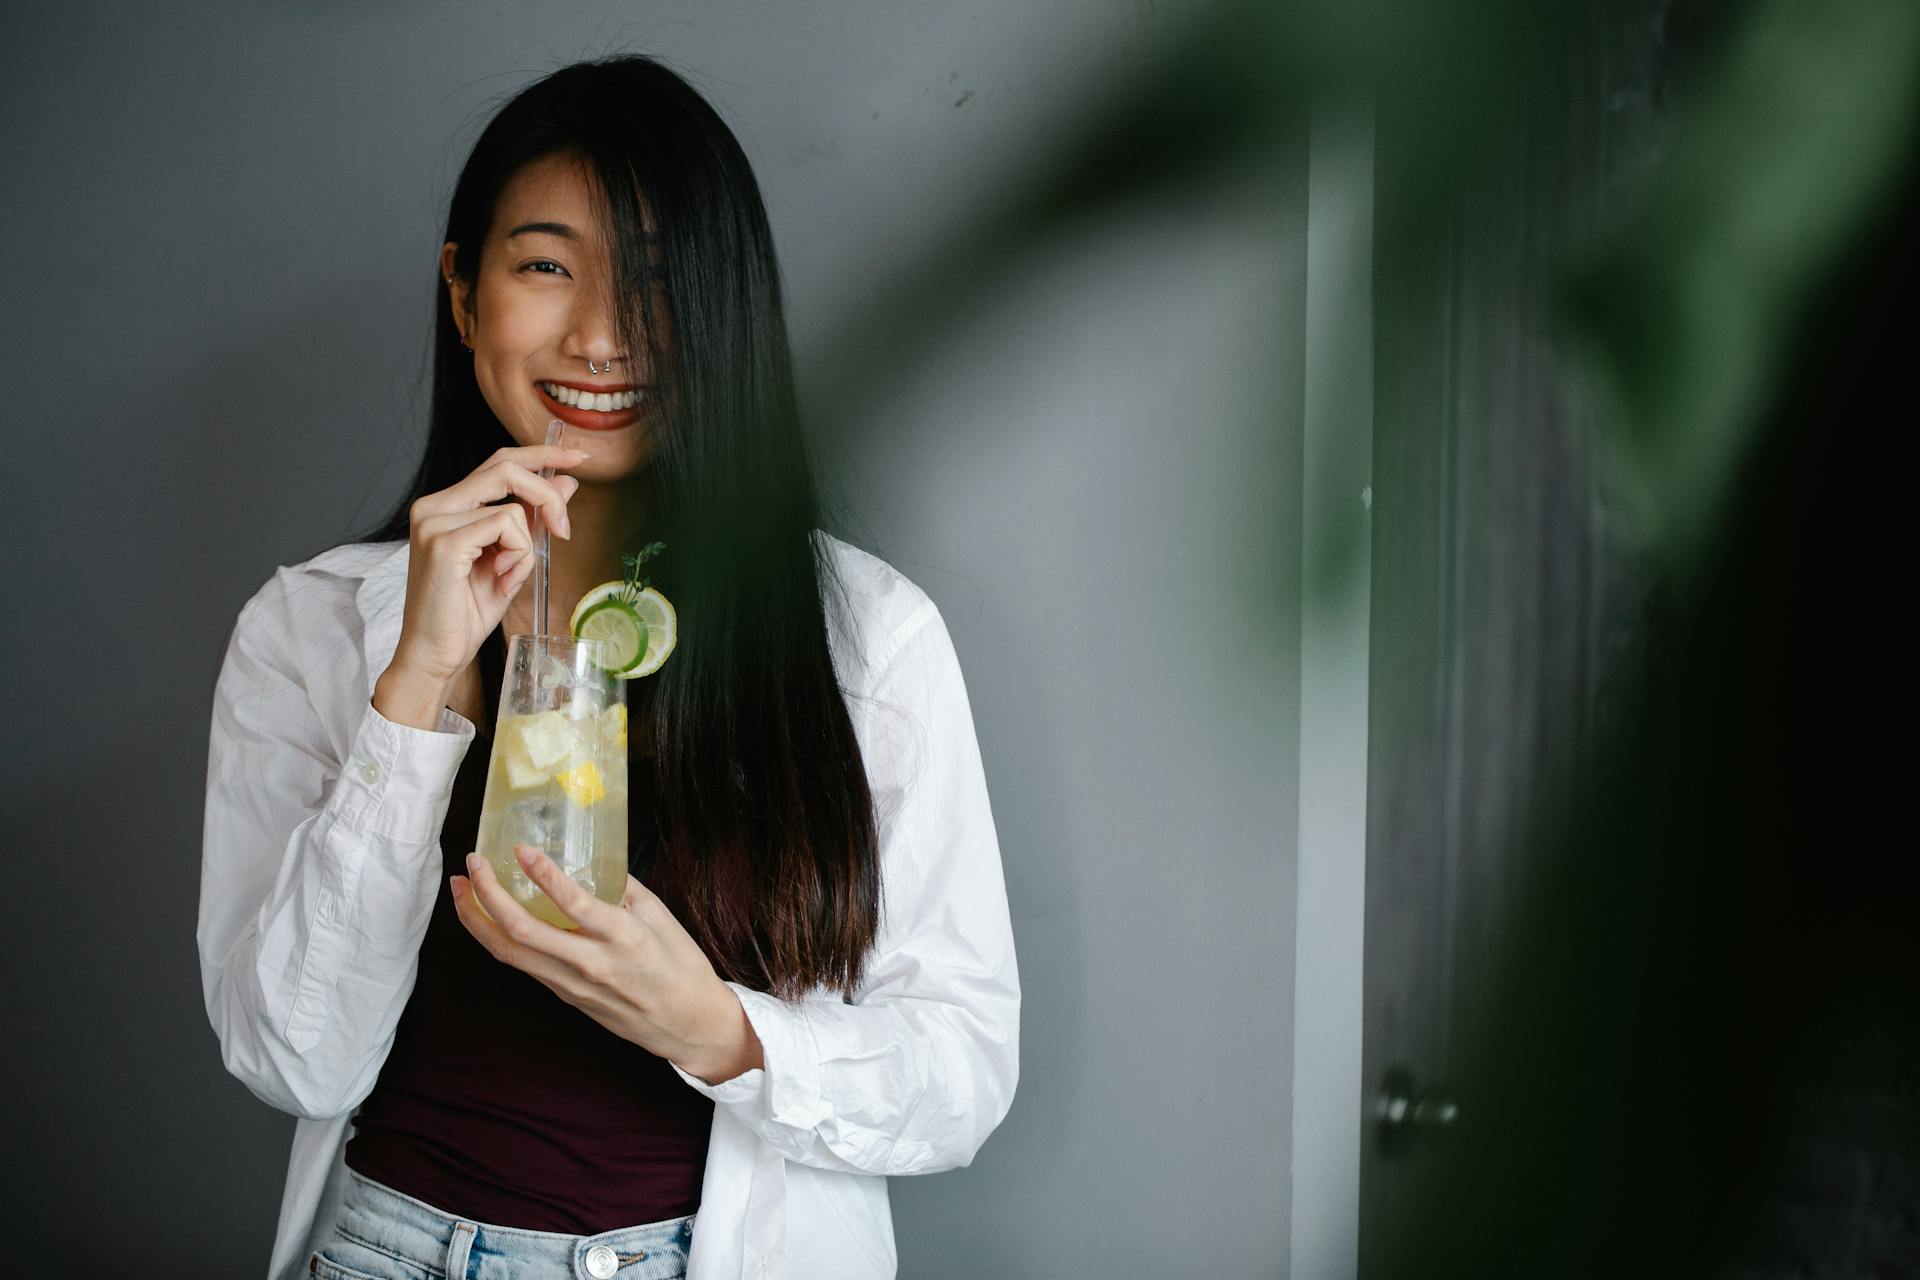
[[638, 630], [613, 725], [583, 784]]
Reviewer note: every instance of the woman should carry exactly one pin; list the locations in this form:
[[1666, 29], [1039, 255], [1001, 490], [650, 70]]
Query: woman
[[811, 981]]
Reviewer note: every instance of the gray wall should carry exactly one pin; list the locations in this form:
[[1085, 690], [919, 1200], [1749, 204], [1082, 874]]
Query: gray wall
[[221, 226]]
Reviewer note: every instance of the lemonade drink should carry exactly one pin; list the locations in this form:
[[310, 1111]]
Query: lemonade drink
[[557, 778]]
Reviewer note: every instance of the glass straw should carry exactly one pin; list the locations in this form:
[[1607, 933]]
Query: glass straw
[[542, 547]]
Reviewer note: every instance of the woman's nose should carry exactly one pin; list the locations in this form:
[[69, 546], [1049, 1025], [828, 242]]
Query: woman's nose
[[598, 344]]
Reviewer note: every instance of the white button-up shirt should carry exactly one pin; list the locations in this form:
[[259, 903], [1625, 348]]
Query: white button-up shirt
[[321, 862]]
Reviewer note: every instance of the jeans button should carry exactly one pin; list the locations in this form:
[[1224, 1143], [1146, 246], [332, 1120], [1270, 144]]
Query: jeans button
[[601, 1262]]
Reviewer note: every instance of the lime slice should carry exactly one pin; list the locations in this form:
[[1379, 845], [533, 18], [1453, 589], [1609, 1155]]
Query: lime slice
[[640, 629], [623, 637]]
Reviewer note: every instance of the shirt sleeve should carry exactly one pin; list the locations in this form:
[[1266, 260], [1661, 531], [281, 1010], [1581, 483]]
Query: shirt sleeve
[[915, 1073], [318, 869]]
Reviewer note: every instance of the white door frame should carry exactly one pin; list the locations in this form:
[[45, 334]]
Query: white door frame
[[1328, 1124]]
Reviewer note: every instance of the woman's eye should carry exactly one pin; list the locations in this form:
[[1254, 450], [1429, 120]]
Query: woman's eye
[[544, 263]]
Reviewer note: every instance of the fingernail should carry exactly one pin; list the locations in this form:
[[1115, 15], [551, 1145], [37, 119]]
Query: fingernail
[[526, 853], [457, 885], [473, 861], [566, 527]]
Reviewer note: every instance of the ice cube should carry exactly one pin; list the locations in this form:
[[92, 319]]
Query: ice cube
[[546, 738], [522, 773], [535, 821]]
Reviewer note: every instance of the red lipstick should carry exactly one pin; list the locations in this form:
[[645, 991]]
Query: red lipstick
[[594, 419]]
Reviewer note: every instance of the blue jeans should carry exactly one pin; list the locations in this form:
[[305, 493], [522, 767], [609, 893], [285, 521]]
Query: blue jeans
[[381, 1234]]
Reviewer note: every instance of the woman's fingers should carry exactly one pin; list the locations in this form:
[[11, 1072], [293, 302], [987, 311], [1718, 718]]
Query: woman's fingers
[[466, 535], [532, 491], [516, 936], [497, 534], [505, 584], [639, 896], [452, 602], [592, 915], [492, 936], [556, 516], [510, 473]]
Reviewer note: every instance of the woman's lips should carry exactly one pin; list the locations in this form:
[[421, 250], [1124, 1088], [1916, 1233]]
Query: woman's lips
[[593, 419]]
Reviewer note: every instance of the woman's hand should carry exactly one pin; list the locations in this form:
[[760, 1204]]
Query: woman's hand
[[632, 968], [467, 559]]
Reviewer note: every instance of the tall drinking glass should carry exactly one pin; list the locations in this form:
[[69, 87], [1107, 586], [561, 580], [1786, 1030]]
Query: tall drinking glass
[[558, 776]]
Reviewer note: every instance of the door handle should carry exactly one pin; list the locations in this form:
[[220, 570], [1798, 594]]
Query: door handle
[[1402, 1112]]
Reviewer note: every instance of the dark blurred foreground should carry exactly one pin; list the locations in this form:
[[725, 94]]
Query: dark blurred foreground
[[1702, 1054]]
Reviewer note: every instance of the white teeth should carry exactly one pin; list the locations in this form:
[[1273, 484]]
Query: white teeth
[[603, 402]]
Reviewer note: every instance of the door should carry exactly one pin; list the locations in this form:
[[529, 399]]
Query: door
[[1506, 608]]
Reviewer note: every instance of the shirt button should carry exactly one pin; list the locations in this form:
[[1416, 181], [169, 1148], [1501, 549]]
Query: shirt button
[[601, 1262], [370, 771]]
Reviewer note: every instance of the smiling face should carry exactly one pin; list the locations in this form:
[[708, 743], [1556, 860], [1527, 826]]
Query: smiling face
[[542, 309]]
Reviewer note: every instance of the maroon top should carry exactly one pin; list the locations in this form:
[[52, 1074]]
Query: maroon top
[[500, 1102]]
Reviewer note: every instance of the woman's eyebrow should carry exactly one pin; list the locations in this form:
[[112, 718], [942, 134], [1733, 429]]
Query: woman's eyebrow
[[560, 229]]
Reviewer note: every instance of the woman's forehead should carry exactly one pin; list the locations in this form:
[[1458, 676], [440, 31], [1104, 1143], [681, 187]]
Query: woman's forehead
[[554, 196], [547, 199]]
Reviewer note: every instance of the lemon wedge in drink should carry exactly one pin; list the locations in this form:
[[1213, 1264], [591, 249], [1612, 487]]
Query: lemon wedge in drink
[[613, 725], [637, 628], [583, 784]]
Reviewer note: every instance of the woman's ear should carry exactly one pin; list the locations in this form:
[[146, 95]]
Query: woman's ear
[[458, 294]]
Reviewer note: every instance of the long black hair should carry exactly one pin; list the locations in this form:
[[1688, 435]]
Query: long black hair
[[751, 814]]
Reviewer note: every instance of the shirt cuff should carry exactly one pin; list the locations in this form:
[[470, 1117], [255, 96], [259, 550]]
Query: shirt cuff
[[397, 780], [785, 1091]]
